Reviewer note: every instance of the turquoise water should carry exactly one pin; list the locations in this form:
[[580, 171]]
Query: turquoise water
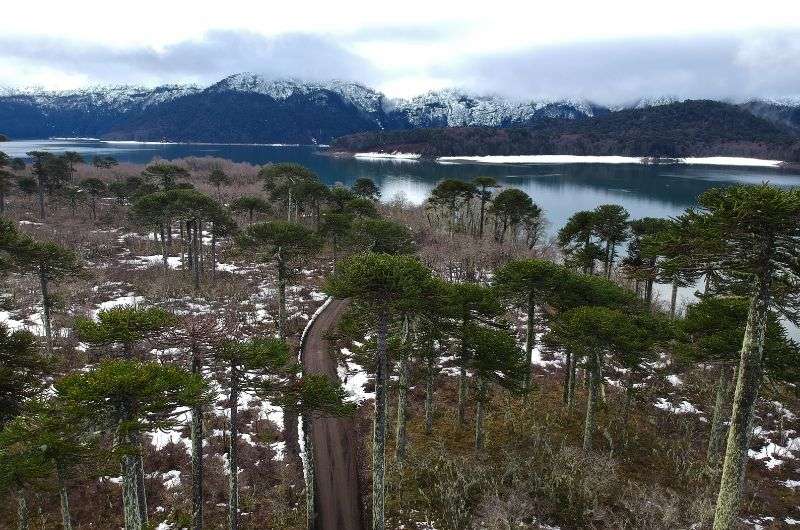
[[559, 189]]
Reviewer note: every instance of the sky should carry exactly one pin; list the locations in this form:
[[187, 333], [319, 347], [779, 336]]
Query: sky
[[610, 52]]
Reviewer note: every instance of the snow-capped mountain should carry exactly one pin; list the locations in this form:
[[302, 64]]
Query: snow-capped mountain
[[247, 107]]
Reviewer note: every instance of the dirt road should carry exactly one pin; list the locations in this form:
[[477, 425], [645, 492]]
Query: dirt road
[[338, 505]]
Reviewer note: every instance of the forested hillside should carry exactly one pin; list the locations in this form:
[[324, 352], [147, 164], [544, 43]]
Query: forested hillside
[[691, 128]]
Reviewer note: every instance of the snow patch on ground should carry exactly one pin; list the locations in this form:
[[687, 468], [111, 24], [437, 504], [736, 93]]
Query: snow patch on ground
[[684, 407]]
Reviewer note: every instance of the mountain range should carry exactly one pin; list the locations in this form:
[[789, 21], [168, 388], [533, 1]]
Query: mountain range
[[248, 108]]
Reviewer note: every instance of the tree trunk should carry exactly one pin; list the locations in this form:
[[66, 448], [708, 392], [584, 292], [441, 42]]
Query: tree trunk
[[483, 213], [591, 403], [607, 262], [479, 414], [41, 200], [22, 510], [573, 369], [404, 376], [66, 518], [197, 454], [567, 376], [46, 310], [626, 411], [716, 438], [2, 202], [402, 410], [673, 301], [281, 296], [530, 337], [429, 381], [164, 254], [195, 245], [132, 500], [213, 255], [744, 399], [311, 476], [379, 428], [233, 460], [462, 396], [140, 486]]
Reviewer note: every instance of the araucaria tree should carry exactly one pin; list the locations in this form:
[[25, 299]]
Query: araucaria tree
[[611, 228], [757, 231], [529, 283], [50, 261], [284, 243], [390, 285], [126, 398]]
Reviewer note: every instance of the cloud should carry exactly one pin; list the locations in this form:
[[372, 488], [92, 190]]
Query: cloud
[[216, 54], [621, 71]]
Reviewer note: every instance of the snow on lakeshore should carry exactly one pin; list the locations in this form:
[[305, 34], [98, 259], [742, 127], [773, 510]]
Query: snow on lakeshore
[[400, 157], [576, 159]]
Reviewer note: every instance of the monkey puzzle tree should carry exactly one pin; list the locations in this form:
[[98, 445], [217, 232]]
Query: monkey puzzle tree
[[453, 197], [381, 236], [120, 329], [310, 195], [611, 228], [638, 264], [366, 188], [219, 178], [752, 234], [45, 440], [252, 365], [281, 181], [165, 173], [390, 285], [513, 208], [51, 262], [50, 171], [72, 158], [250, 204], [284, 243], [466, 303], [6, 177], [591, 332], [712, 334], [126, 398], [104, 161], [575, 240], [22, 373], [494, 357], [529, 283], [483, 186], [94, 187]]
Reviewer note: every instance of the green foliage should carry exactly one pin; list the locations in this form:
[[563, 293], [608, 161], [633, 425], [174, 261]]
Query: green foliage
[[250, 204], [51, 171], [380, 280], [713, 331], [22, 370], [93, 186], [290, 240], [218, 178], [104, 161], [519, 279], [493, 354], [123, 325], [257, 358], [130, 395], [317, 394], [366, 188], [381, 236], [165, 173], [27, 185]]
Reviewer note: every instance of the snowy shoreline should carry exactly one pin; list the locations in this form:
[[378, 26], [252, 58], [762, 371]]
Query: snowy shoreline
[[574, 159]]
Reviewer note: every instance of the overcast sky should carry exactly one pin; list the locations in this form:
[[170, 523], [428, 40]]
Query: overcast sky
[[610, 52]]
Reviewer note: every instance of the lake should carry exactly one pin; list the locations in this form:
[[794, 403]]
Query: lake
[[560, 189]]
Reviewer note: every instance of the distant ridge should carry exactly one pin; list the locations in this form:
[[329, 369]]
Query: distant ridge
[[250, 108]]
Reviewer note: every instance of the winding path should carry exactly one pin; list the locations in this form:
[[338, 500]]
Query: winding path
[[334, 439]]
